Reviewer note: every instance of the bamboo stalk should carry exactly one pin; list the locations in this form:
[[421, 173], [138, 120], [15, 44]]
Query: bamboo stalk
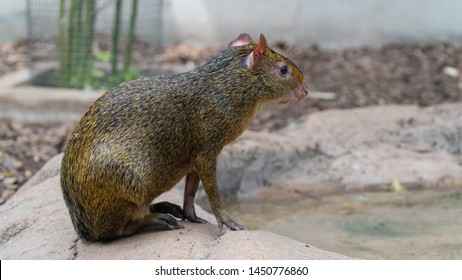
[[63, 75], [77, 62], [88, 36], [70, 41], [115, 40], [131, 36]]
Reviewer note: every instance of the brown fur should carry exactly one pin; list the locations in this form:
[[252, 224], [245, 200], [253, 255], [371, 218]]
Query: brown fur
[[140, 138]]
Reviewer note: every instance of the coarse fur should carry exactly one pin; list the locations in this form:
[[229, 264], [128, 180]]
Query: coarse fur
[[140, 138]]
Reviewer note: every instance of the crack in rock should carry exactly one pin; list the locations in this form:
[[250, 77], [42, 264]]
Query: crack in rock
[[14, 229], [73, 249]]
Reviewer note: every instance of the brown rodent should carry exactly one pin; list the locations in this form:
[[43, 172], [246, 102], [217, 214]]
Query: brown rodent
[[140, 138]]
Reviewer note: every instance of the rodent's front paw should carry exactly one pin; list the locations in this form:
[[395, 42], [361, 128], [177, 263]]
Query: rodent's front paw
[[226, 220], [195, 219], [232, 225]]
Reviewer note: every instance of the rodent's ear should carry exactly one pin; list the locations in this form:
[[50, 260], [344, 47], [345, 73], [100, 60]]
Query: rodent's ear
[[255, 56], [242, 40], [259, 49]]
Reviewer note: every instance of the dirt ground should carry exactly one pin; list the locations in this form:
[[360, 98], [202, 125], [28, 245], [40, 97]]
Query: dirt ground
[[422, 74]]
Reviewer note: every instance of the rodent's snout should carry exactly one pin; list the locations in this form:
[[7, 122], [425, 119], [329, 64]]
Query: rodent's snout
[[306, 89], [301, 92]]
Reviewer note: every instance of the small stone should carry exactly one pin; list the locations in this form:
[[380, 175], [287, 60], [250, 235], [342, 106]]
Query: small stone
[[28, 173], [13, 187], [322, 95], [16, 126], [451, 71], [9, 181], [17, 164], [7, 194]]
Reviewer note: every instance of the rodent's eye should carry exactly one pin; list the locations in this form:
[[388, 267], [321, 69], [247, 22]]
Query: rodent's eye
[[284, 70]]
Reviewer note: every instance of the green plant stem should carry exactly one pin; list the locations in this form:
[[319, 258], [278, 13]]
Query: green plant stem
[[89, 31], [131, 36], [77, 62], [63, 46], [70, 42], [115, 39]]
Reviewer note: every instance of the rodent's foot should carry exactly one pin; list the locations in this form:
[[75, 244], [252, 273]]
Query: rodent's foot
[[166, 221], [195, 219], [226, 220], [231, 225], [167, 208], [189, 213]]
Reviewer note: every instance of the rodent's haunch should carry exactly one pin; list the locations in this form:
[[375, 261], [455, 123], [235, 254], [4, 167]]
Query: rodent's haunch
[[140, 138]]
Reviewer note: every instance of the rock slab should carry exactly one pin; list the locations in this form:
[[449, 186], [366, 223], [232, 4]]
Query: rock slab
[[337, 151], [36, 225]]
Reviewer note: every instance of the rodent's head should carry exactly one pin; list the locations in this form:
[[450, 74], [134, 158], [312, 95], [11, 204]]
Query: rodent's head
[[280, 75]]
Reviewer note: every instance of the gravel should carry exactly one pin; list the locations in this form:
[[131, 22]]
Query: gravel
[[24, 148]]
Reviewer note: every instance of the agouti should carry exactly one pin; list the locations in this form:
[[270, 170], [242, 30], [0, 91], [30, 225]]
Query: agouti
[[140, 138]]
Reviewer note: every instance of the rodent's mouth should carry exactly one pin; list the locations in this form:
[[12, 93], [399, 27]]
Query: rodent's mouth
[[289, 99], [285, 101]]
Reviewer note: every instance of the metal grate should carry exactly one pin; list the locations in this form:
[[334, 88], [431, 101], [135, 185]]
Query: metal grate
[[72, 41]]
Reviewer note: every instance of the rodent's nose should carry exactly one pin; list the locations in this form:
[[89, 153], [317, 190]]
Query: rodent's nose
[[306, 89], [301, 92]]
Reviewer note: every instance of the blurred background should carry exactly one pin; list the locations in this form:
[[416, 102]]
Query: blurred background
[[333, 23], [369, 54]]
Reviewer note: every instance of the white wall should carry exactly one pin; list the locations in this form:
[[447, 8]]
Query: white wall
[[13, 20], [329, 23]]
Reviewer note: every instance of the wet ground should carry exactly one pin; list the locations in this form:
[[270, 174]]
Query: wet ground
[[385, 225]]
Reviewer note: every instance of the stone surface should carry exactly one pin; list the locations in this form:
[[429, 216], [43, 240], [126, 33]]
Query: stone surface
[[326, 152], [36, 225], [44, 104], [348, 150]]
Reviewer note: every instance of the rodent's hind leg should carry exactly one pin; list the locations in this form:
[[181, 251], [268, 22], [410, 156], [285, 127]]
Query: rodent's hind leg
[[152, 222], [190, 189], [167, 208]]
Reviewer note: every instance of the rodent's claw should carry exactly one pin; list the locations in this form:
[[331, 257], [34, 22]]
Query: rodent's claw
[[190, 215], [179, 226], [225, 219], [231, 225], [235, 226], [195, 219], [169, 221]]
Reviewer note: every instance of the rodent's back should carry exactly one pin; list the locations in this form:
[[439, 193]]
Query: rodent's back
[[146, 114], [139, 139], [130, 138]]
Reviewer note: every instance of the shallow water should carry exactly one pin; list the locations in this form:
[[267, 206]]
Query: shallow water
[[385, 225]]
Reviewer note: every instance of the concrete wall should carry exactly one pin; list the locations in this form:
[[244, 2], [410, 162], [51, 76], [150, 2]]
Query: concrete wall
[[329, 23], [13, 24]]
